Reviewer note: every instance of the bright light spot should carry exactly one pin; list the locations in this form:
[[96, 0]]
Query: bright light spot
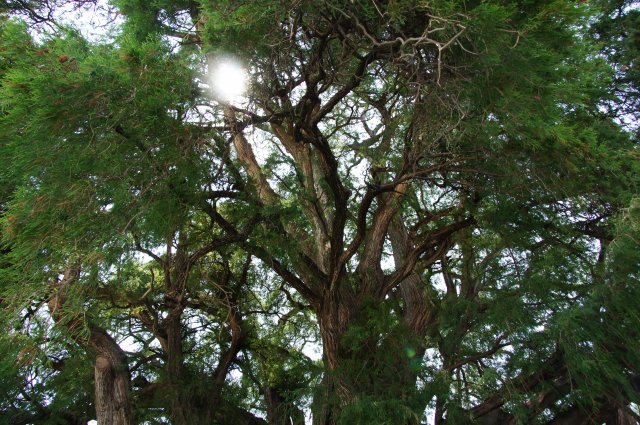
[[312, 350], [229, 80]]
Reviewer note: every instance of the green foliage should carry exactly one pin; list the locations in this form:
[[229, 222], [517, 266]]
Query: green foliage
[[41, 380], [65, 140], [241, 28], [379, 412], [445, 181], [596, 334]]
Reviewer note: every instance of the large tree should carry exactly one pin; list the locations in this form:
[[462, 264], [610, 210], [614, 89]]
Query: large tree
[[441, 192]]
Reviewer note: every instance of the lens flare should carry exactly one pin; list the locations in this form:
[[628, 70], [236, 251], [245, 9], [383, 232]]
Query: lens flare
[[410, 352], [229, 80]]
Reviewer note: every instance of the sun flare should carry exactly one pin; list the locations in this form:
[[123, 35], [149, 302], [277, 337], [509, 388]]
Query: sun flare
[[229, 80]]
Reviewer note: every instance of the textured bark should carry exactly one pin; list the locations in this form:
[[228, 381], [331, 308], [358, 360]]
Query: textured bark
[[191, 403], [226, 358], [419, 308], [334, 318], [112, 381], [328, 401], [177, 267], [360, 370], [245, 153], [179, 399]]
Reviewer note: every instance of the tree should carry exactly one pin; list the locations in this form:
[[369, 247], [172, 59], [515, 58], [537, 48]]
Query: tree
[[616, 29], [434, 198]]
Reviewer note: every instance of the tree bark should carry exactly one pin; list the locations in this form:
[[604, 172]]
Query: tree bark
[[112, 381], [179, 400], [337, 312]]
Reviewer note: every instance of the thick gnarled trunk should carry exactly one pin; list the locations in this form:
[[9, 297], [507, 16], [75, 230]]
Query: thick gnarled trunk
[[367, 359], [179, 400], [112, 381]]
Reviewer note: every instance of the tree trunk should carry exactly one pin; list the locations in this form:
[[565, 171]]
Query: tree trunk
[[366, 361], [113, 400], [276, 410], [334, 317], [280, 411], [179, 400], [111, 371]]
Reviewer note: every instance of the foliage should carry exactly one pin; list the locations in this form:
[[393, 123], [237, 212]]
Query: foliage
[[441, 196]]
